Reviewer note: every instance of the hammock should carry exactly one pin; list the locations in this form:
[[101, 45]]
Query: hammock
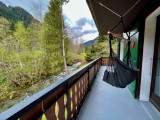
[[117, 73]]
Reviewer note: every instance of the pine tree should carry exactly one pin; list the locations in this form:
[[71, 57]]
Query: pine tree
[[52, 34]]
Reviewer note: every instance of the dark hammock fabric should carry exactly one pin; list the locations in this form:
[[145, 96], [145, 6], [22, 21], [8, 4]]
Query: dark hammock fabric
[[120, 75], [117, 73]]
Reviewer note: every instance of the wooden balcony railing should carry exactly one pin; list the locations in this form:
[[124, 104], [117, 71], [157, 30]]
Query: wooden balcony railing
[[105, 61], [60, 101]]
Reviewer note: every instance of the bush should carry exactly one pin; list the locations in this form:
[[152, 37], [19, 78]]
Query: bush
[[101, 49], [74, 58]]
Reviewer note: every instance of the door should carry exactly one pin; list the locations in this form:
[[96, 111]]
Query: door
[[155, 83], [134, 37]]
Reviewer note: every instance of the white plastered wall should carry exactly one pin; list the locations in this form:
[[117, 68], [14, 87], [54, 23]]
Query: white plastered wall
[[122, 47], [121, 50], [148, 51]]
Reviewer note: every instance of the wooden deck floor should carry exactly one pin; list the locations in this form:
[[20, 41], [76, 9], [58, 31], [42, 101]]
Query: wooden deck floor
[[105, 102]]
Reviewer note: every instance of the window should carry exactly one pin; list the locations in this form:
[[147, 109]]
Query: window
[[155, 85]]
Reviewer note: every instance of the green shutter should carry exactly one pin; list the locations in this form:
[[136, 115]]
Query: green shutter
[[134, 53]]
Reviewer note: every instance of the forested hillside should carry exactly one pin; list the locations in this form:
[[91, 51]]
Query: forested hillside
[[90, 42], [32, 51], [15, 14]]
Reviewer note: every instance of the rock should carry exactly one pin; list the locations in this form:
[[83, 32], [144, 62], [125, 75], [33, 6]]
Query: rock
[[12, 95]]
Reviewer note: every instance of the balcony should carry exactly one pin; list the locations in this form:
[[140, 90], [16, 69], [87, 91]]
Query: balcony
[[83, 96], [105, 102]]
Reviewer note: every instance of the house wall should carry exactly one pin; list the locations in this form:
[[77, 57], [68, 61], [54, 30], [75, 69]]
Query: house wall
[[121, 50], [122, 45], [148, 51]]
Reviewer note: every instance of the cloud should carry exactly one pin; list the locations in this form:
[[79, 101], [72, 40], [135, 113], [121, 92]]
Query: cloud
[[84, 21], [81, 27], [88, 32], [79, 24]]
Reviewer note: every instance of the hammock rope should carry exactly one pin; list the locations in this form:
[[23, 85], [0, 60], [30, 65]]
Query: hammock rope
[[120, 16], [117, 73], [115, 12]]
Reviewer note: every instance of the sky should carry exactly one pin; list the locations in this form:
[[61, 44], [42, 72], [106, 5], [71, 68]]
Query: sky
[[76, 13]]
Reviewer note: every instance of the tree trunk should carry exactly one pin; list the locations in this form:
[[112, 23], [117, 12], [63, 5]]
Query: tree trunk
[[64, 56], [20, 62]]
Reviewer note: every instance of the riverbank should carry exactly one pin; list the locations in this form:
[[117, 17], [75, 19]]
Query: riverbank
[[20, 95]]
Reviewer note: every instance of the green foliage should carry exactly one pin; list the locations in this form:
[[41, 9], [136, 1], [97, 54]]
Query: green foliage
[[6, 27], [101, 49], [75, 58], [52, 39], [5, 88], [101, 38], [20, 61], [75, 53]]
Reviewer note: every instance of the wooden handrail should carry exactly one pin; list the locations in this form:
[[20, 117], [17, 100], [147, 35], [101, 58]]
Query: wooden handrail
[[119, 36]]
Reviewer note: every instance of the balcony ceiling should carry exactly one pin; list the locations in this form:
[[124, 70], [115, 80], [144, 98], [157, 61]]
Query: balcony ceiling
[[106, 20]]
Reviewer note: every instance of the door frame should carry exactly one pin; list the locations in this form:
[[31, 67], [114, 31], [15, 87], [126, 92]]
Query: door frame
[[140, 57]]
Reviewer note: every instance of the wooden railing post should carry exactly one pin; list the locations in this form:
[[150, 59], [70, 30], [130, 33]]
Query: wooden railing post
[[101, 60], [94, 70], [68, 101], [88, 80]]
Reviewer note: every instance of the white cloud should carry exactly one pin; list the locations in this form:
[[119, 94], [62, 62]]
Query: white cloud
[[90, 36], [80, 19], [76, 9]]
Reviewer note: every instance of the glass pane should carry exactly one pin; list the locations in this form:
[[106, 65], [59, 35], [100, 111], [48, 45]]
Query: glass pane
[[157, 78]]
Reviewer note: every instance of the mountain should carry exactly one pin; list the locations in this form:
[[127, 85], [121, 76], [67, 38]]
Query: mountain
[[90, 42], [15, 14], [2, 5]]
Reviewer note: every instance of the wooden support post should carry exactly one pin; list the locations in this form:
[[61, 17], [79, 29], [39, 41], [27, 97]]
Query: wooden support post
[[94, 70], [68, 101]]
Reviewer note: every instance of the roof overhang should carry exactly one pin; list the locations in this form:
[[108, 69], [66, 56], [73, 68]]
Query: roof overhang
[[108, 13]]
